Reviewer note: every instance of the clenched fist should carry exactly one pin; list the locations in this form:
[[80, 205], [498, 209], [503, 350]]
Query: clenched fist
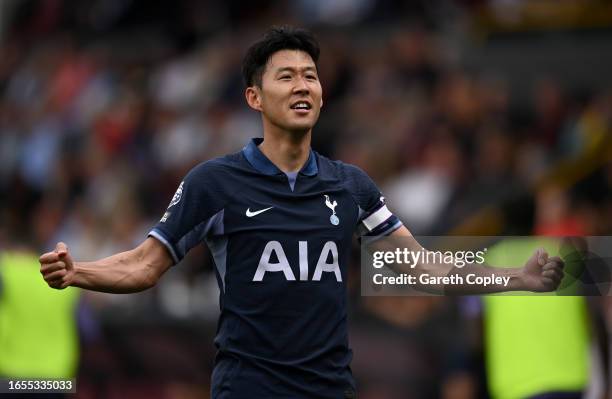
[[541, 273], [57, 267]]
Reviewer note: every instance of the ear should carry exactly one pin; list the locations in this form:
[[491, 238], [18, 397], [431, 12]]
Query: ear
[[321, 104], [253, 97]]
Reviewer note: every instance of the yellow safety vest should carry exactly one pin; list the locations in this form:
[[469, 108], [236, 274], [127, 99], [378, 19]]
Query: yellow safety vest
[[38, 332], [533, 344]]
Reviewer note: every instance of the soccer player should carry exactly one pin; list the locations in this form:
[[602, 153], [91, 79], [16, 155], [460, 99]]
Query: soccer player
[[279, 219]]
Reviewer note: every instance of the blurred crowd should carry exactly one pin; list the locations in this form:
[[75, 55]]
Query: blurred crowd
[[104, 107]]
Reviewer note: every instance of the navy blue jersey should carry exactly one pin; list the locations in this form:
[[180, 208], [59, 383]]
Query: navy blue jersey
[[281, 245]]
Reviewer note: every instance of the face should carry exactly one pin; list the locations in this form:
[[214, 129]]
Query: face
[[290, 96]]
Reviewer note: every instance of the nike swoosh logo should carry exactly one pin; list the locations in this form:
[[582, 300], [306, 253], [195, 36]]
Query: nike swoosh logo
[[250, 214]]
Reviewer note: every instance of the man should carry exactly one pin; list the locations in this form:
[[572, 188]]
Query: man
[[279, 220]]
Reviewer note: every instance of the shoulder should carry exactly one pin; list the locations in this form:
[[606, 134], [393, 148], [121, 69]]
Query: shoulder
[[216, 168], [346, 172], [217, 177]]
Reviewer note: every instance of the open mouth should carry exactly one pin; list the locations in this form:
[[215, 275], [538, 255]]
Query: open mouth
[[301, 106]]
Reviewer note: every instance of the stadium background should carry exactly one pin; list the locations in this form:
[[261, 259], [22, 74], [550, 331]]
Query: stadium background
[[474, 117]]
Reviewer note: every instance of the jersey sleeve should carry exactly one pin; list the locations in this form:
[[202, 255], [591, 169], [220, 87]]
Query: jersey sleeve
[[375, 219], [196, 210]]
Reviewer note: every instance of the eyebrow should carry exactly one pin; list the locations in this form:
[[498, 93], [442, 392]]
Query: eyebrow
[[292, 69]]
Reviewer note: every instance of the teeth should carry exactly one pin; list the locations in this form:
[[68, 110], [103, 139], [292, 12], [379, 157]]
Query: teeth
[[301, 106]]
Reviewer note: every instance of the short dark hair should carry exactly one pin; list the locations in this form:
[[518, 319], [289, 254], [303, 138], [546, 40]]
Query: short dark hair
[[276, 39]]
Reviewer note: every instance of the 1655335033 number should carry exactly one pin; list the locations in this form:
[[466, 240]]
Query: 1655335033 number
[[37, 385]]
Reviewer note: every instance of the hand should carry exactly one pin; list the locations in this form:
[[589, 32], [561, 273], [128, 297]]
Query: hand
[[57, 267], [541, 273]]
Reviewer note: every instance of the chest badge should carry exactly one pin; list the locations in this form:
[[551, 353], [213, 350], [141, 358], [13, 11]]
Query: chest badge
[[333, 219]]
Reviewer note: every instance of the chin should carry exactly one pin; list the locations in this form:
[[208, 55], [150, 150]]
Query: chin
[[301, 125], [298, 127]]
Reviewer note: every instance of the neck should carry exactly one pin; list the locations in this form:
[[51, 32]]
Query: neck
[[289, 151]]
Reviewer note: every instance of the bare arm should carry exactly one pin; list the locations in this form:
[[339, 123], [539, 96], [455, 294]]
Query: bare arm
[[539, 274], [131, 271]]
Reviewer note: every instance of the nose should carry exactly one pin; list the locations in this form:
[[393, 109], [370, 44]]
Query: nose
[[301, 86]]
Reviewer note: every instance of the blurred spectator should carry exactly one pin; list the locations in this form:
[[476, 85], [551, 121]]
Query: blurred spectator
[[535, 347], [42, 346]]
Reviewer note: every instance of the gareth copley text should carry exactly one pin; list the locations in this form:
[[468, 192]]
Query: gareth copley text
[[453, 279]]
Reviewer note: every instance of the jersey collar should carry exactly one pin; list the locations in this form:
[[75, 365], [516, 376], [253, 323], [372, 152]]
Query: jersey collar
[[260, 162]]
